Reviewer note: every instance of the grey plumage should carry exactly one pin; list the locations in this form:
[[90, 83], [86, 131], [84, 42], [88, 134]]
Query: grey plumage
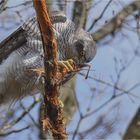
[[27, 52]]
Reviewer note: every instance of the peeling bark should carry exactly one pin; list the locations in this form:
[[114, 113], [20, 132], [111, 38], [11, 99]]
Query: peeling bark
[[52, 118]]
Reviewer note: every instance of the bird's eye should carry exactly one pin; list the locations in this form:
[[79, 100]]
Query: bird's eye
[[82, 53], [79, 47]]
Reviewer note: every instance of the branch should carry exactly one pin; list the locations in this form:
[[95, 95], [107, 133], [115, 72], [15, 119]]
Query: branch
[[52, 110], [133, 129], [80, 12], [96, 20], [22, 115], [116, 21], [3, 4], [14, 131]]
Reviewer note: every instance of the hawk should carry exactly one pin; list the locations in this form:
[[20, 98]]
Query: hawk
[[23, 50]]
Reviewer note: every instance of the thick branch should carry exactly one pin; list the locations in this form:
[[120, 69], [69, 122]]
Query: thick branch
[[80, 12], [50, 49], [52, 111], [133, 131], [116, 21]]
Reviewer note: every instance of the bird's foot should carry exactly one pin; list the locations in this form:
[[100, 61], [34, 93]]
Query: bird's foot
[[63, 68], [68, 66]]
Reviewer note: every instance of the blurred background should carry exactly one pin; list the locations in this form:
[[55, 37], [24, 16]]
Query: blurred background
[[106, 105]]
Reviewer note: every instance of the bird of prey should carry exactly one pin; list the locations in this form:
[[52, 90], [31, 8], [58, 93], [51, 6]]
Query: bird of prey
[[23, 50]]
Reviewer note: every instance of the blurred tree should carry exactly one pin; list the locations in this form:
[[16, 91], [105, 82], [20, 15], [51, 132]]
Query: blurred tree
[[133, 131]]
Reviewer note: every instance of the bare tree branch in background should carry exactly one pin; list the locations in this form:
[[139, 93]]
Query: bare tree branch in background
[[80, 12], [3, 5], [116, 22], [101, 15], [133, 130]]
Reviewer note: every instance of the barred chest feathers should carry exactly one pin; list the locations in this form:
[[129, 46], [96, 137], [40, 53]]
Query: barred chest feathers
[[15, 79]]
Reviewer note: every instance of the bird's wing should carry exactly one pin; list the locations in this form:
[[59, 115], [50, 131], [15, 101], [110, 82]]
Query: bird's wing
[[19, 38], [11, 43]]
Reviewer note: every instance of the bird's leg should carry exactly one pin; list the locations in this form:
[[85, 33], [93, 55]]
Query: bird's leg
[[64, 67], [69, 65]]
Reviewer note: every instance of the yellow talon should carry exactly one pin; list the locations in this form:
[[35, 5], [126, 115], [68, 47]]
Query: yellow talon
[[61, 63], [64, 67], [68, 64], [61, 104]]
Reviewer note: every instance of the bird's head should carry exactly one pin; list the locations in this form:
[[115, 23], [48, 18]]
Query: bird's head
[[84, 47]]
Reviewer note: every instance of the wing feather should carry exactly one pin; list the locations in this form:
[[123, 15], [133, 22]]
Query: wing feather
[[19, 38]]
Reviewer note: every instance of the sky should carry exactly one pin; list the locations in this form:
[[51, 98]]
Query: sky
[[104, 69]]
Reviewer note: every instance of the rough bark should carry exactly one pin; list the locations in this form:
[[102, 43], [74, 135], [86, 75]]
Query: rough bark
[[52, 118]]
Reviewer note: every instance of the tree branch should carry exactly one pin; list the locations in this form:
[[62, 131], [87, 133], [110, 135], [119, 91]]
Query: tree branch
[[52, 110], [116, 21], [80, 12], [14, 131]]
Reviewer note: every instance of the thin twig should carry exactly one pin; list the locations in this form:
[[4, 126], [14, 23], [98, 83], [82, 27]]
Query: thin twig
[[14, 131], [101, 15]]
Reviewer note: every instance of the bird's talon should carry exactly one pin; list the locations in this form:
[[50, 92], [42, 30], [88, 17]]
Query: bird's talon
[[69, 65], [64, 67], [61, 104]]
